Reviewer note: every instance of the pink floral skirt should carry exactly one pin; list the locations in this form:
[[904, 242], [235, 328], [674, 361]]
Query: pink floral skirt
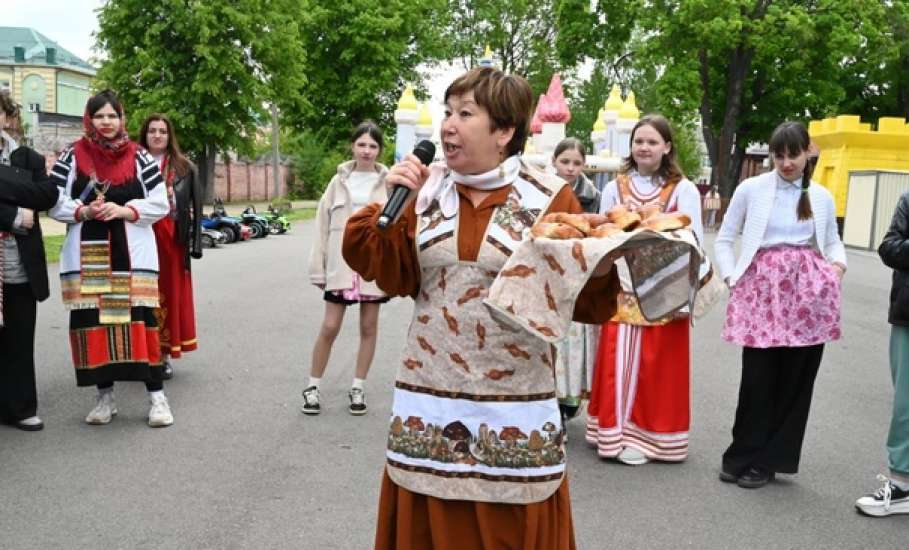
[[788, 297], [350, 296]]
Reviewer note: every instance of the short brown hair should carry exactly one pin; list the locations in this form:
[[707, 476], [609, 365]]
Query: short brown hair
[[507, 98]]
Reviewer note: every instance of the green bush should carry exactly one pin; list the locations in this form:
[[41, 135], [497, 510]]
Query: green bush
[[314, 164]]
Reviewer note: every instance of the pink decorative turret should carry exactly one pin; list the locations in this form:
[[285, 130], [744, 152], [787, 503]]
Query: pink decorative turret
[[554, 114], [555, 109]]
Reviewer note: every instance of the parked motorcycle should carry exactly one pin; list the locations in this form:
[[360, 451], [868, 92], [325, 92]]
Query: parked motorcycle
[[277, 222]]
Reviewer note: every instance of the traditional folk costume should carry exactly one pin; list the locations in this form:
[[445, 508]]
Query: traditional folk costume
[[109, 270], [784, 305], [640, 396], [475, 455], [178, 237], [577, 352]]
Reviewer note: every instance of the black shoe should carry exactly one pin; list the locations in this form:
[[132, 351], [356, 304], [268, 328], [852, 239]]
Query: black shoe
[[754, 478], [727, 477], [357, 402], [168, 370], [32, 424], [311, 401]]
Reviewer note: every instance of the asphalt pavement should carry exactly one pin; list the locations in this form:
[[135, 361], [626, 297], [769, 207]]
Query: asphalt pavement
[[243, 468]]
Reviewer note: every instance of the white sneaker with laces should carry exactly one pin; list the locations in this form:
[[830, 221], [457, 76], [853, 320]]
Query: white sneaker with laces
[[632, 457], [887, 500], [105, 409], [159, 415]]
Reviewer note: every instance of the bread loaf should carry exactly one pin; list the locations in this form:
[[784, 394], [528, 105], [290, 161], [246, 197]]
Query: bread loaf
[[624, 218], [605, 230], [550, 230], [578, 221], [667, 221]]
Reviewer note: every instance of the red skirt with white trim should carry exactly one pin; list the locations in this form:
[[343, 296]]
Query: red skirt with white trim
[[640, 396]]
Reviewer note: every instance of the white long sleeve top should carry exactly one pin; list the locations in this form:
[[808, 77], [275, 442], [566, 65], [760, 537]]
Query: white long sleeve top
[[763, 212]]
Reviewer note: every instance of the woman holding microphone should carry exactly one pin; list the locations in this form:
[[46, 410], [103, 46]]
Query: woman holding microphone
[[462, 402]]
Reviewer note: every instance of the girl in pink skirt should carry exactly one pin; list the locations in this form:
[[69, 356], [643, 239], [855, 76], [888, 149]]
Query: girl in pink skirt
[[784, 305]]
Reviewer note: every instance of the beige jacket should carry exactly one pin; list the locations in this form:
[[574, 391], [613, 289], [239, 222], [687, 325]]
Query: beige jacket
[[326, 265]]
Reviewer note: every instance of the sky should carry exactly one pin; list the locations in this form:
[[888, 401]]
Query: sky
[[70, 23]]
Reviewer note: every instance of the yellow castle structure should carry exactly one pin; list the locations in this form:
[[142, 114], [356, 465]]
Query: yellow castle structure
[[847, 144]]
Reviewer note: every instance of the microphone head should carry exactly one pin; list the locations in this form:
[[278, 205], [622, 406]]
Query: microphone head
[[425, 151]]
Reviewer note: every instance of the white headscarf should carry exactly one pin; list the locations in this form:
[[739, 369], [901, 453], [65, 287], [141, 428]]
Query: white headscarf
[[441, 185]]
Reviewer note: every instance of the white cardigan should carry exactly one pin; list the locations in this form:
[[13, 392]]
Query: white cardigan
[[748, 214]]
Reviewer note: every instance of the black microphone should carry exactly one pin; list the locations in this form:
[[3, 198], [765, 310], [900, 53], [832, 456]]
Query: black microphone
[[425, 151]]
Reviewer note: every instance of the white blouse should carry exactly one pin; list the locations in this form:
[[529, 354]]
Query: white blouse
[[784, 227], [360, 185]]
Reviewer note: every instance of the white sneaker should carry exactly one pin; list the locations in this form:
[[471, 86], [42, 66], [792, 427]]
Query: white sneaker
[[632, 457], [887, 500], [159, 415], [105, 409]]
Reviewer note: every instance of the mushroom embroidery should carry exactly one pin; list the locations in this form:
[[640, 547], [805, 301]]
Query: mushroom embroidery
[[481, 335], [424, 319], [412, 364]]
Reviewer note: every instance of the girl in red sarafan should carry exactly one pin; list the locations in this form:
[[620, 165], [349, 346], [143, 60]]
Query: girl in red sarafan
[[178, 236], [640, 399]]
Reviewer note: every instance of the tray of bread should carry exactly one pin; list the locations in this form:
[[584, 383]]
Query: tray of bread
[[539, 284]]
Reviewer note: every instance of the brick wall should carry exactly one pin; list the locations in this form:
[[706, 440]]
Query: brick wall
[[242, 181]]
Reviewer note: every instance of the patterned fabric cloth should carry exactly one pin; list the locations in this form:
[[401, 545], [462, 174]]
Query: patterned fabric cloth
[[788, 297]]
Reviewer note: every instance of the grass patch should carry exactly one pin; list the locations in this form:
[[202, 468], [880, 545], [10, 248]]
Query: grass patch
[[52, 246], [300, 214]]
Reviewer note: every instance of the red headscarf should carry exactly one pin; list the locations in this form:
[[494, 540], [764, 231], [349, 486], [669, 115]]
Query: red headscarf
[[112, 159]]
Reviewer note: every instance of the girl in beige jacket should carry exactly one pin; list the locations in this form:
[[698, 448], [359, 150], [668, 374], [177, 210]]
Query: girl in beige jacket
[[359, 182]]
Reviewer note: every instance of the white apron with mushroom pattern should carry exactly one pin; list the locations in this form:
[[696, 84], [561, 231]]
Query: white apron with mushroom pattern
[[475, 415]]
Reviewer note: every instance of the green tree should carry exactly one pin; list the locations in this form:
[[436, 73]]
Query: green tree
[[742, 66], [520, 34], [360, 54], [877, 81], [211, 65]]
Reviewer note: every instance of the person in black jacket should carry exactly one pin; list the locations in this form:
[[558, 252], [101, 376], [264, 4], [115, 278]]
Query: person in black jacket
[[23, 269], [893, 496], [178, 236]]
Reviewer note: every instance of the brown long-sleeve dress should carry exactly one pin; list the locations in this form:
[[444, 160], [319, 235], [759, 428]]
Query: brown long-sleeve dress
[[450, 510]]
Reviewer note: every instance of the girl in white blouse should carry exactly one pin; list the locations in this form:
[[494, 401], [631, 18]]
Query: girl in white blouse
[[784, 305]]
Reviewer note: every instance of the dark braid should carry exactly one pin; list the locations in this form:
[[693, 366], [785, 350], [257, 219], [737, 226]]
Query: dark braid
[[804, 207]]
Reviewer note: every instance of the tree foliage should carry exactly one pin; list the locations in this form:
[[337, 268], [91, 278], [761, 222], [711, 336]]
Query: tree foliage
[[210, 65], [360, 54], [742, 66], [520, 34]]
